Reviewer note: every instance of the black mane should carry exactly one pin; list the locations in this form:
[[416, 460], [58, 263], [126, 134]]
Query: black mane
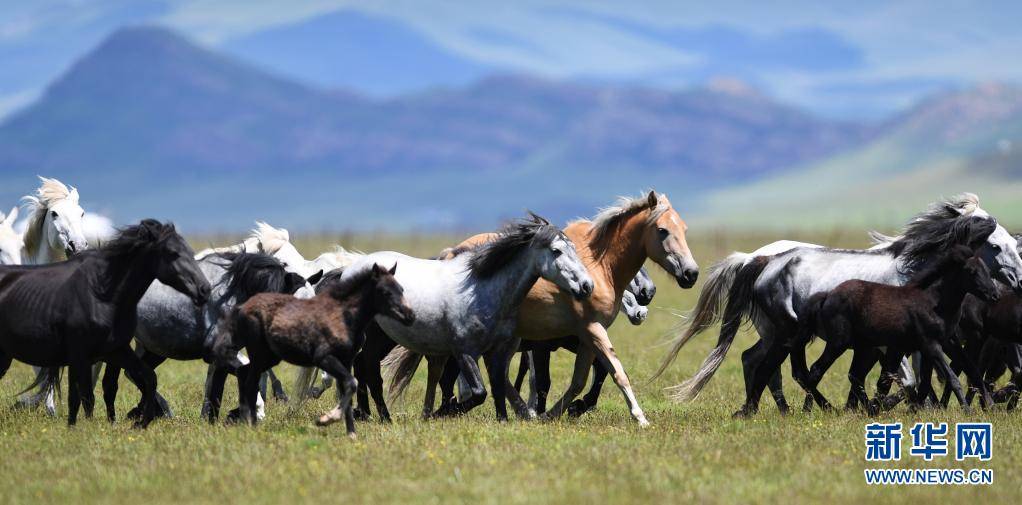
[[130, 239], [937, 230], [249, 274], [936, 269], [337, 287], [511, 240]]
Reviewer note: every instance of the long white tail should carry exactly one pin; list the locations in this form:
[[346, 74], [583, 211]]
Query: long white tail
[[399, 366], [709, 307], [303, 383], [735, 292]]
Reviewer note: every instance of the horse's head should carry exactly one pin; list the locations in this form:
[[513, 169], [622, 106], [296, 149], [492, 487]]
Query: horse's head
[[665, 243], [642, 287], [636, 313], [1000, 251], [975, 275], [11, 242], [176, 265], [558, 260], [57, 219], [389, 296]]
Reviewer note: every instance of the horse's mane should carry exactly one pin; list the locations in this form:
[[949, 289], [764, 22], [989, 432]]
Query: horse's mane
[[263, 238], [49, 193], [940, 227], [339, 257], [249, 274], [337, 287], [130, 239], [610, 218], [512, 239]]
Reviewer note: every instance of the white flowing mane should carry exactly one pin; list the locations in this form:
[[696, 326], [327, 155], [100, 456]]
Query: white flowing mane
[[49, 193], [263, 238], [607, 217], [338, 258]]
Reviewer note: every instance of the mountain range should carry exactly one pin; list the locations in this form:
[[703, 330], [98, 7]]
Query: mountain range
[[151, 124]]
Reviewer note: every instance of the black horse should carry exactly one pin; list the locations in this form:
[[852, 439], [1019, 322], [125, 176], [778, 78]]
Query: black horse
[[168, 326], [83, 310]]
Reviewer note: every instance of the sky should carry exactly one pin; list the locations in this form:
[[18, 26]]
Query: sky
[[861, 60]]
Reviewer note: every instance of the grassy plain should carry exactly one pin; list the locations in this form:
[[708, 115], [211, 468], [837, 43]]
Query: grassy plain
[[692, 452]]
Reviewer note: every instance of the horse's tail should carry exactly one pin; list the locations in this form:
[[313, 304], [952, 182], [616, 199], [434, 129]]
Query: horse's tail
[[740, 305], [400, 366], [303, 383], [47, 378], [709, 306]]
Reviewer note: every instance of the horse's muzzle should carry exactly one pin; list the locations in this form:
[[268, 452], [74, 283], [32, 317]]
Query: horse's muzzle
[[688, 278]]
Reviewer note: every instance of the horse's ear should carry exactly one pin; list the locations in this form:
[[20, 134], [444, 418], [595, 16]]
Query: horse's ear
[[393, 269], [12, 216], [315, 278], [150, 229], [652, 199], [536, 218], [378, 270]]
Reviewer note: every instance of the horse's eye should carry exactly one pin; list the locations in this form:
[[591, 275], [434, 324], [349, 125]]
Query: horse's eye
[[996, 247], [53, 214], [558, 253], [663, 233]]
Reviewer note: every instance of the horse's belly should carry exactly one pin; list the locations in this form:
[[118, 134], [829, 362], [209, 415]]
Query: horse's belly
[[171, 337], [437, 339], [301, 353]]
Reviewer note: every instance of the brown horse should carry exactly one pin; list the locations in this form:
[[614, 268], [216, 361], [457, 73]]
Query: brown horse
[[325, 331], [613, 246]]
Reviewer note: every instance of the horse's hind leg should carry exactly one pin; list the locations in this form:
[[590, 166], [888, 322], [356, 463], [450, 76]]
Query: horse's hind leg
[[74, 399], [768, 366], [346, 384], [435, 367], [279, 394], [541, 363], [476, 393], [216, 378], [751, 358], [86, 390], [110, 385]]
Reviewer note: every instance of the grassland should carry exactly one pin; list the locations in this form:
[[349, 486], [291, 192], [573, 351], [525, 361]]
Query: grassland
[[692, 452]]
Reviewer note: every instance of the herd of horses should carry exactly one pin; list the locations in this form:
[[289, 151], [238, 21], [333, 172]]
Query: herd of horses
[[71, 298]]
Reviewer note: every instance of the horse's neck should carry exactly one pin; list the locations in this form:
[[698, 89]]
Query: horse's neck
[[949, 297], [42, 254], [507, 288], [127, 283], [625, 251], [361, 311]]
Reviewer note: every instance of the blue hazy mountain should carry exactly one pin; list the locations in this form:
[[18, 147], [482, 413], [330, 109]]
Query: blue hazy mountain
[[149, 123]]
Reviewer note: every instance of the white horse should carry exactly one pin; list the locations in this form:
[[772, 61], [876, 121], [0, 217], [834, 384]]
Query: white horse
[[467, 307], [11, 242], [54, 231]]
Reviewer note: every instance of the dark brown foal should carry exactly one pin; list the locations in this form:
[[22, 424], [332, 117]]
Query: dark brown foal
[[325, 331], [919, 316]]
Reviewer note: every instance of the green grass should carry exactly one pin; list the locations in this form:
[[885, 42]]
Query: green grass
[[691, 452]]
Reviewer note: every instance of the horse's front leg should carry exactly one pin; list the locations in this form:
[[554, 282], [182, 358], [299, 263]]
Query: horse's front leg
[[476, 393], [583, 362], [145, 377], [605, 355]]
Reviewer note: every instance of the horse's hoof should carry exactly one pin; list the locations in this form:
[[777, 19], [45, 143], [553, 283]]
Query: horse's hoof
[[361, 415], [316, 392], [352, 435], [280, 397], [134, 414], [329, 418], [741, 413], [577, 408]]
